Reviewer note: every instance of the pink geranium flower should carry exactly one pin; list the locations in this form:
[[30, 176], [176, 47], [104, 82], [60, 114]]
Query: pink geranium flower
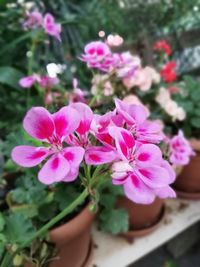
[[141, 169], [94, 155], [50, 27], [34, 19], [126, 64], [98, 56], [180, 150], [63, 162], [47, 82], [135, 117], [28, 81]]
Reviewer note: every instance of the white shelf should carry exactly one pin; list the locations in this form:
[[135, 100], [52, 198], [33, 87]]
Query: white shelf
[[114, 251]]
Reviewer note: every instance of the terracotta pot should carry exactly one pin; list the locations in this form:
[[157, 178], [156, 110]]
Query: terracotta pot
[[189, 179], [142, 216], [73, 241]]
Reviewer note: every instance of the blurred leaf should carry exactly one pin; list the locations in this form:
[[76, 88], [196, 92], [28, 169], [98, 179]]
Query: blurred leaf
[[195, 122], [10, 76], [114, 221], [2, 222], [18, 228]]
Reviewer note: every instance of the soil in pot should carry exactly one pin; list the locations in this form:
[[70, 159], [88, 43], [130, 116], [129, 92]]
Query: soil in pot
[[142, 217], [189, 179]]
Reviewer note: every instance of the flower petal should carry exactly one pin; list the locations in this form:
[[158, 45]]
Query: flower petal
[[165, 192], [38, 123], [149, 154], [123, 140], [86, 116], [72, 175], [137, 191], [154, 176], [66, 120], [132, 113], [54, 170], [99, 155], [74, 155], [29, 156]]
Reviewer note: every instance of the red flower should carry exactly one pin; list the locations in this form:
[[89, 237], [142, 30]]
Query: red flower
[[168, 72], [163, 46]]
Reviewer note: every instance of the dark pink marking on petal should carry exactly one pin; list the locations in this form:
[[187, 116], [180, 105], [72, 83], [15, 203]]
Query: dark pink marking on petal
[[95, 157], [123, 148], [128, 138], [37, 155], [135, 180], [55, 163], [69, 156], [144, 157]]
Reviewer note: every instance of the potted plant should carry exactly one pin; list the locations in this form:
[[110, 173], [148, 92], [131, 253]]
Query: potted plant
[[187, 183]]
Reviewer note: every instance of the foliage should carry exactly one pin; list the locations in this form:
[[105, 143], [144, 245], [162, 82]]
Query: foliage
[[112, 219], [189, 99]]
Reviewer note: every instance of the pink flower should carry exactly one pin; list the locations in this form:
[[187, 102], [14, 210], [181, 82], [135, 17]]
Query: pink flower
[[63, 162], [34, 19], [114, 40], [50, 27], [98, 56], [77, 95], [142, 78], [47, 82], [126, 64], [180, 150], [27, 82], [94, 155], [133, 99], [141, 169], [135, 116]]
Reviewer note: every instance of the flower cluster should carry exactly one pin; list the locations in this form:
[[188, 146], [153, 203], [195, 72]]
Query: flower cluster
[[169, 105], [47, 23], [44, 81], [163, 46], [168, 72], [180, 150], [123, 138]]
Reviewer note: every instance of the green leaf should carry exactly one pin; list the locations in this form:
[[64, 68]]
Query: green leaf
[[114, 221], [2, 222], [64, 195], [18, 228], [47, 211], [195, 122], [10, 76]]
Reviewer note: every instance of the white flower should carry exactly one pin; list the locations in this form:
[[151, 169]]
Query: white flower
[[54, 69]]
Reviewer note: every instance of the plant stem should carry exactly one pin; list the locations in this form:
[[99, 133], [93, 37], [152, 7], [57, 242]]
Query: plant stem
[[8, 257]]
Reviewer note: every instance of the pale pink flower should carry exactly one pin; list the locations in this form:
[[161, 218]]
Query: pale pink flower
[[133, 99], [63, 162], [180, 149], [77, 95], [98, 56], [126, 64], [141, 169], [108, 89], [50, 27], [114, 40], [135, 117], [27, 82], [142, 78], [48, 82], [34, 19]]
